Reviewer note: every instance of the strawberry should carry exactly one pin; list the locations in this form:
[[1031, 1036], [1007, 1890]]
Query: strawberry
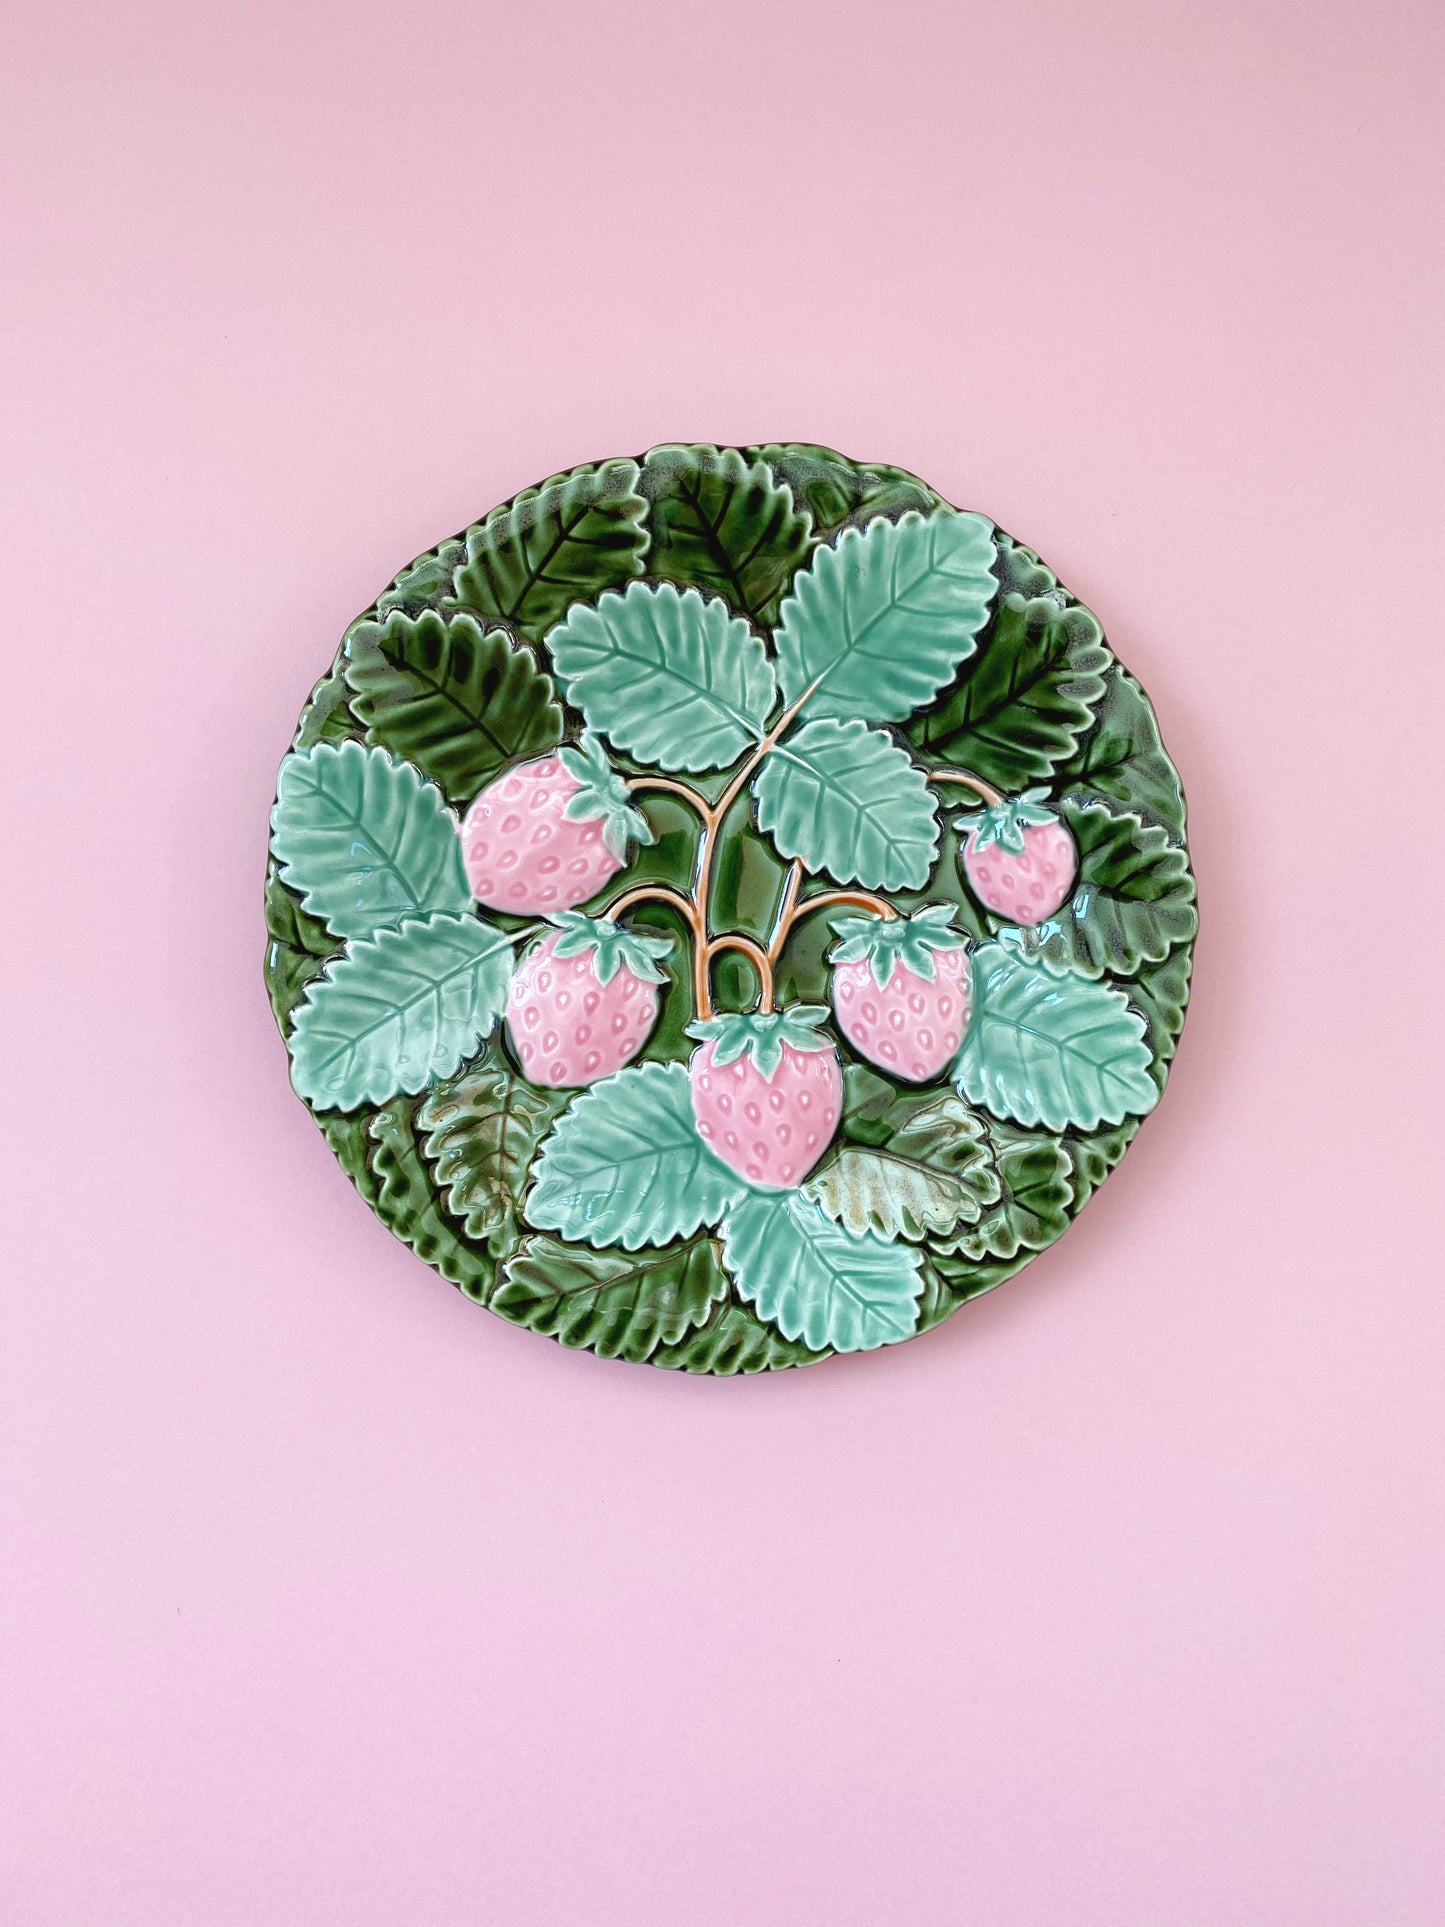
[[767, 1093], [902, 989], [1019, 859], [551, 832], [583, 1001]]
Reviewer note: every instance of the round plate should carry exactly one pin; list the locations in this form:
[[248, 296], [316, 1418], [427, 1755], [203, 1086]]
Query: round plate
[[728, 907]]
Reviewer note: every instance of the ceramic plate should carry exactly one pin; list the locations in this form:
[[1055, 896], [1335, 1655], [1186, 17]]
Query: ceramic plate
[[728, 907]]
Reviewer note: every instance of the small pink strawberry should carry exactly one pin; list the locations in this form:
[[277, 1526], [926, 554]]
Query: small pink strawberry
[[582, 1003], [767, 1093], [902, 988], [551, 832], [1019, 859]]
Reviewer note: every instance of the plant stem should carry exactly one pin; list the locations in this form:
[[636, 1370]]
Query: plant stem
[[975, 783], [672, 787], [756, 956]]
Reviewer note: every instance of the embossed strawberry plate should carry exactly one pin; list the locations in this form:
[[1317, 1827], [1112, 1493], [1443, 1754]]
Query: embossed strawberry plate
[[728, 907]]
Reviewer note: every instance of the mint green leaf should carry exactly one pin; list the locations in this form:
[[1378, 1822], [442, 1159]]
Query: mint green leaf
[[619, 1304], [816, 1281], [562, 542], [363, 840], [1124, 761], [725, 524], [934, 1173], [1046, 1045], [881, 619], [395, 1010], [458, 703], [670, 678], [1021, 706], [846, 799], [732, 1340], [481, 1130], [1134, 898], [624, 1164]]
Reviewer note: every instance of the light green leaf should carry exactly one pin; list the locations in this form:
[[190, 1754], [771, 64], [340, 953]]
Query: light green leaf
[[881, 619], [814, 1280], [395, 1010], [732, 1341], [1030, 1212], [619, 1304], [1134, 898], [934, 1173], [670, 678], [363, 840], [846, 799], [725, 524], [1046, 1045], [1022, 704], [1124, 761], [624, 1164], [562, 542], [481, 1130], [403, 1196], [456, 702]]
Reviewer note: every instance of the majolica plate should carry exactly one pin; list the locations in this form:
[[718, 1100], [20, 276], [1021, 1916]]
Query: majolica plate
[[728, 907]]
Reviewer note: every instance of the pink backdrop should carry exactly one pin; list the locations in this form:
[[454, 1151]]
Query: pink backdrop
[[328, 1598]]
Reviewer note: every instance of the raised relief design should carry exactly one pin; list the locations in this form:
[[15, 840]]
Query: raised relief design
[[729, 907]]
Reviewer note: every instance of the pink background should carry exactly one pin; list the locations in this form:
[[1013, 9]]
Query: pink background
[[328, 1598]]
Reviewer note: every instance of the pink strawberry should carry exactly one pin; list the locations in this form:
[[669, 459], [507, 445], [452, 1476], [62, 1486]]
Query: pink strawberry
[[550, 833], [902, 988], [1019, 859], [767, 1093], [582, 1002]]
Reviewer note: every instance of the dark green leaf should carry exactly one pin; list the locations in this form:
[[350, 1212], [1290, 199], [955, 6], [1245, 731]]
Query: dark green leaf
[[326, 717], [1124, 761], [481, 1130], [838, 491], [1021, 705], [563, 542], [1092, 1158], [1161, 993], [720, 522], [406, 1202], [1134, 899], [455, 701], [619, 1304], [1032, 1208], [733, 1340], [425, 583]]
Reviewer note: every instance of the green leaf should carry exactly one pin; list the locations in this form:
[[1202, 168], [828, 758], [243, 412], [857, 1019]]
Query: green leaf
[[562, 542], [326, 717], [297, 947], [731, 1341], [725, 524], [846, 799], [881, 619], [837, 490], [395, 1010], [1030, 1212], [816, 1281], [1021, 706], [406, 1202], [481, 1130], [1091, 1159], [670, 678], [363, 840], [456, 702], [426, 583], [1047, 1046], [1124, 760], [1134, 898], [624, 1164], [1161, 993], [618, 1304], [935, 1172]]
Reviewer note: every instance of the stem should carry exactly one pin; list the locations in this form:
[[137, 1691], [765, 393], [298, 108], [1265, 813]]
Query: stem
[[653, 893], [693, 798], [975, 783], [783, 921], [756, 956]]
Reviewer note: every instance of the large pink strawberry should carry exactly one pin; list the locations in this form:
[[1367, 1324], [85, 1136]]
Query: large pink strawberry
[[582, 1002], [1019, 859], [902, 989], [551, 832], [767, 1093]]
